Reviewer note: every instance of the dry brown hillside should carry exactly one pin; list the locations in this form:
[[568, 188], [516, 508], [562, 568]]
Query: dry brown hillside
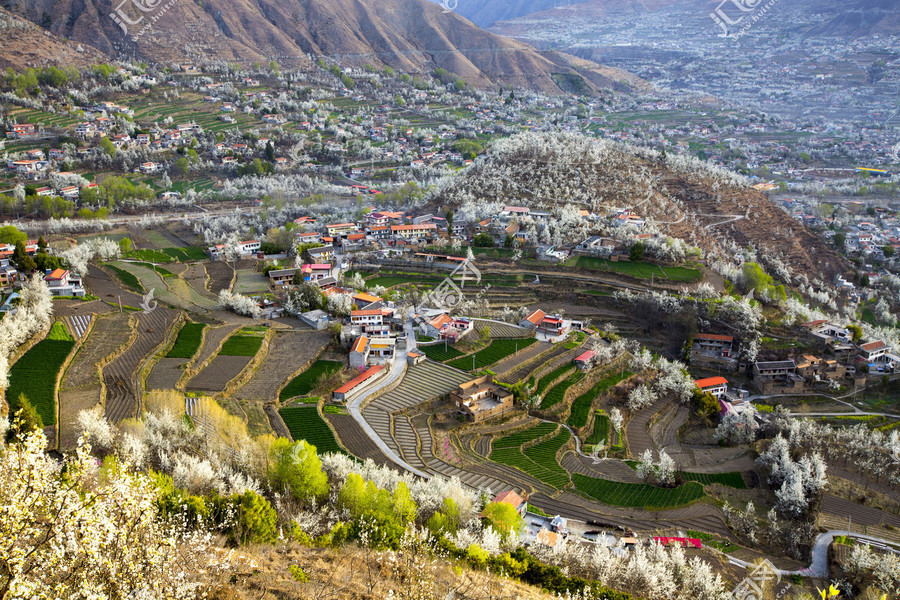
[[23, 44], [411, 35]]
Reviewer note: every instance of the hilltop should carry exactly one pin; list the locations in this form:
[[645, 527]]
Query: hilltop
[[685, 198]]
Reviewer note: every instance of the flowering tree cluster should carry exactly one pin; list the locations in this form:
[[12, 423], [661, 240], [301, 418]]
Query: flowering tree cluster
[[798, 483], [738, 427], [80, 255], [238, 304], [663, 472], [33, 313]]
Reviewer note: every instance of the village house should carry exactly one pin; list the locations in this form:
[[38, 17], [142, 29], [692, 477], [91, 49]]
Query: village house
[[553, 327], [717, 386], [418, 232], [315, 272], [359, 353], [281, 277], [585, 360], [481, 399], [711, 345], [62, 283], [777, 377], [873, 352], [532, 320], [358, 382]]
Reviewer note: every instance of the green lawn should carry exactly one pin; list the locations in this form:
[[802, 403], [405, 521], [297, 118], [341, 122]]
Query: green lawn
[[35, 373], [129, 279], [304, 423], [636, 495], [188, 341], [305, 382], [437, 352], [498, 349], [241, 345], [539, 461]]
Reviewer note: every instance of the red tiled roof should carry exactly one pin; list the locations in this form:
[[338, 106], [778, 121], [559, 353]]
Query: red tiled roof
[[365, 313], [358, 380], [509, 497], [872, 346], [360, 344], [711, 382], [714, 337], [536, 317], [585, 357]]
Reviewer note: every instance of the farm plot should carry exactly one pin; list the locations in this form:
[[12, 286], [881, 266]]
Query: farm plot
[[732, 479], [220, 276], [639, 270], [196, 277], [166, 373], [439, 353], [217, 374], [353, 438], [558, 392], [287, 349], [188, 341], [305, 382], [35, 373], [581, 407], [552, 376], [128, 279], [601, 430], [249, 282], [637, 495], [121, 398], [501, 330], [497, 350], [305, 423], [539, 461], [243, 343]]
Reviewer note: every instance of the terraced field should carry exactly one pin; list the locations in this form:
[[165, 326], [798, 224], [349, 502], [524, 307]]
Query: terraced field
[[581, 407], [733, 479], [305, 423], [558, 392], [80, 388], [220, 276], [34, 374], [497, 350], [119, 375], [304, 383], [421, 383], [439, 353], [637, 495], [539, 460], [355, 439], [502, 330], [601, 430], [287, 349]]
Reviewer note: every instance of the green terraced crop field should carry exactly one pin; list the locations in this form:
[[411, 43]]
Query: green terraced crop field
[[35, 373], [188, 341], [732, 479], [241, 345], [304, 423], [558, 392], [498, 350], [438, 353], [539, 461], [601, 430], [305, 382], [581, 407], [550, 377], [616, 493], [127, 278]]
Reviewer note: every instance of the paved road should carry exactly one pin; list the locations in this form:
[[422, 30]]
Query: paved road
[[354, 405]]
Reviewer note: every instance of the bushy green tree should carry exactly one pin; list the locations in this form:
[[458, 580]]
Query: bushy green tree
[[247, 518], [504, 518], [296, 469]]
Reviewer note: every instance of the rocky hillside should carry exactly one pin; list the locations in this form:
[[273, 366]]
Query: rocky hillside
[[411, 35], [27, 45], [703, 205]]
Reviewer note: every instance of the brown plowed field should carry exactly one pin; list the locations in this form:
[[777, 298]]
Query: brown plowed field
[[122, 401], [288, 350], [215, 377], [108, 288], [220, 276], [196, 277], [212, 339], [355, 440], [166, 373]]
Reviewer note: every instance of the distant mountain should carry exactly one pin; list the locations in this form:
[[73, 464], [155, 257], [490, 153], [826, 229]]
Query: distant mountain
[[27, 45], [862, 17], [411, 35]]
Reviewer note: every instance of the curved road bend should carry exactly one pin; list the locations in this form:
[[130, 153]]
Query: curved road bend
[[354, 405]]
